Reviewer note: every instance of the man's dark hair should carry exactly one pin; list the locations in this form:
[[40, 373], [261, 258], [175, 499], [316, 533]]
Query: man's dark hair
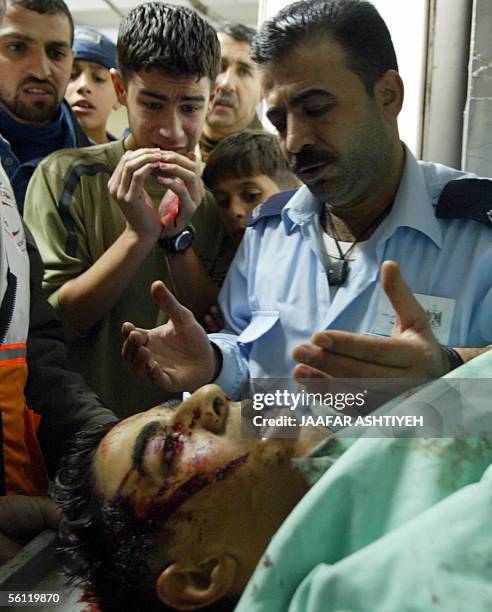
[[46, 7], [104, 547], [246, 154], [170, 38], [354, 24], [237, 31]]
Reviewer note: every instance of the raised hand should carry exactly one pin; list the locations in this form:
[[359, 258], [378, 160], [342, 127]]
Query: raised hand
[[411, 351], [176, 356], [177, 172]]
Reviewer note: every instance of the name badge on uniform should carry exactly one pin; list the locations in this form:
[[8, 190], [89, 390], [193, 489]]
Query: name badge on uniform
[[439, 312]]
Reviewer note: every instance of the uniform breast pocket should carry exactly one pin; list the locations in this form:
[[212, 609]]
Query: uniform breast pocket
[[261, 323]]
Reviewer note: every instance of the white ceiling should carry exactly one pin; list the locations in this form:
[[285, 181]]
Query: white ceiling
[[99, 14]]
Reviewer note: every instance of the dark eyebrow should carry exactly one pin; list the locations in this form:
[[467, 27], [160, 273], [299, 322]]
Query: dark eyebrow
[[299, 99], [141, 444], [164, 98], [248, 182], [311, 93], [242, 64], [18, 35], [58, 43], [30, 39]]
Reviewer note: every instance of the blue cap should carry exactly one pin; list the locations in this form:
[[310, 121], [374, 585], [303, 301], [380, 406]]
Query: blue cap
[[92, 46]]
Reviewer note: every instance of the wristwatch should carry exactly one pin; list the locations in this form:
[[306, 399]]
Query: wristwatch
[[179, 243]]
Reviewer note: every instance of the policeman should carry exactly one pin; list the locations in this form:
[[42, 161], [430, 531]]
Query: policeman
[[315, 262]]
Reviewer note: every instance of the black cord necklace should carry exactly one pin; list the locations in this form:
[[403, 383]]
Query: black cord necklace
[[338, 269]]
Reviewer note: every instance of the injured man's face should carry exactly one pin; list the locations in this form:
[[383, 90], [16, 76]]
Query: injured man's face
[[217, 496]]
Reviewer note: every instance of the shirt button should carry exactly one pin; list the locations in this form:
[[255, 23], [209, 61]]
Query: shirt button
[[8, 161]]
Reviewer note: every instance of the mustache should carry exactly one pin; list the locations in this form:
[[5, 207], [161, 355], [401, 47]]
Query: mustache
[[311, 157], [33, 81], [225, 97]]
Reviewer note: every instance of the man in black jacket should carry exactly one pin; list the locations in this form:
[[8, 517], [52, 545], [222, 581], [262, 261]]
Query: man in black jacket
[[36, 59]]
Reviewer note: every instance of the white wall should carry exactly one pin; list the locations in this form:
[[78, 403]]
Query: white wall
[[407, 23]]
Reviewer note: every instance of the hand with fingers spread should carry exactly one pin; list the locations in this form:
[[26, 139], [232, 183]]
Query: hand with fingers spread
[[172, 170], [411, 351], [176, 356]]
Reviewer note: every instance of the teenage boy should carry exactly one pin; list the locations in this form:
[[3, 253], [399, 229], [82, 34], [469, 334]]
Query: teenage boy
[[101, 242]]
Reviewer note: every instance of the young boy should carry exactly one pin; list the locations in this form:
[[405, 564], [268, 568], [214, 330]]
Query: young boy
[[90, 91], [242, 171]]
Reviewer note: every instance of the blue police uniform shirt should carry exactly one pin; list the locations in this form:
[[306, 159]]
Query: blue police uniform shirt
[[64, 132], [276, 294]]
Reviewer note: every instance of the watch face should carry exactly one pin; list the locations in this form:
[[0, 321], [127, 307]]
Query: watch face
[[183, 241]]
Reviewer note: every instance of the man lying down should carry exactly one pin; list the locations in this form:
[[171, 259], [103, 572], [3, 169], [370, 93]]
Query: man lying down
[[173, 509]]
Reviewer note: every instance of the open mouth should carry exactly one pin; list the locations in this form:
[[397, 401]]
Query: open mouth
[[42, 92], [83, 106]]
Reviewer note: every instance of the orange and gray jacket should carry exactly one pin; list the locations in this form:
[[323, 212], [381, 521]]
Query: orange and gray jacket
[[42, 404]]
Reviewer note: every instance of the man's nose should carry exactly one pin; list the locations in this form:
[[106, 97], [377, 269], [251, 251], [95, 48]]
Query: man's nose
[[226, 80], [40, 66], [299, 135], [206, 408]]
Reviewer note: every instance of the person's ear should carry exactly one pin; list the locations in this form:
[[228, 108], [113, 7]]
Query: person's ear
[[189, 586], [119, 86], [389, 93]]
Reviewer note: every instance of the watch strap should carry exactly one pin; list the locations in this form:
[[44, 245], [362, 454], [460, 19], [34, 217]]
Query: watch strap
[[454, 358], [168, 245]]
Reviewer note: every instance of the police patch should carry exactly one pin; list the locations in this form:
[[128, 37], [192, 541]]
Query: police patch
[[273, 206], [466, 199]]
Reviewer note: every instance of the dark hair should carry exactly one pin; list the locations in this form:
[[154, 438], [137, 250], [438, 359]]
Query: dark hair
[[103, 547], [238, 31], [171, 38], [355, 24], [46, 7], [248, 153]]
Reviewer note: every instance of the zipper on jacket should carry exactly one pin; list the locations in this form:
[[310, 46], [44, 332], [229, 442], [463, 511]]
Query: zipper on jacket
[[8, 304]]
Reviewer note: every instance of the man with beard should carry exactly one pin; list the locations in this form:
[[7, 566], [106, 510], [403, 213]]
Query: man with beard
[[316, 261], [35, 63], [237, 88]]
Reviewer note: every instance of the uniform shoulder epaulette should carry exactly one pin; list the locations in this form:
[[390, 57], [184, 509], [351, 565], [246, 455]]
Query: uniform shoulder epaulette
[[466, 199], [273, 206]]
